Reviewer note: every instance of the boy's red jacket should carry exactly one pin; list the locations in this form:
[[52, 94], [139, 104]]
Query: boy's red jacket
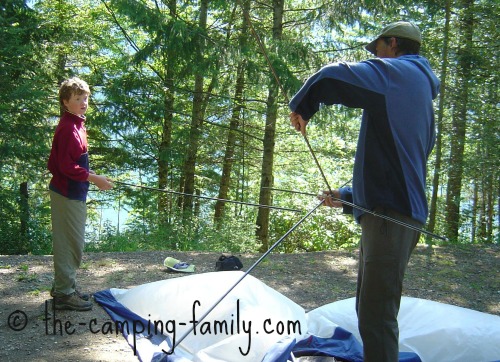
[[69, 160]]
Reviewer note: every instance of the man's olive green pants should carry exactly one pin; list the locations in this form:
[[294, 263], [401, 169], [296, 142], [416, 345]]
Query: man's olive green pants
[[385, 250]]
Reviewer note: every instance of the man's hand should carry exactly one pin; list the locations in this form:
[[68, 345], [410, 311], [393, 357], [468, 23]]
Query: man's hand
[[298, 123], [327, 196]]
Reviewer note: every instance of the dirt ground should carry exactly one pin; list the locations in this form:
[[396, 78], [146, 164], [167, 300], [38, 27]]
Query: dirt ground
[[467, 277]]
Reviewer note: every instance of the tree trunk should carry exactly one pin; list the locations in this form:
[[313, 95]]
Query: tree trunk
[[24, 218], [482, 218], [266, 178], [490, 143], [234, 124], [439, 139], [489, 210], [164, 153], [498, 208], [459, 121], [230, 144], [487, 205], [474, 213], [196, 123], [194, 139]]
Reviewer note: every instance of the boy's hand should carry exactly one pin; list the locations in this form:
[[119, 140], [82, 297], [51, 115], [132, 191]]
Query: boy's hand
[[102, 182]]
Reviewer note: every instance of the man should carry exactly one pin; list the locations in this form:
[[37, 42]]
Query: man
[[396, 137]]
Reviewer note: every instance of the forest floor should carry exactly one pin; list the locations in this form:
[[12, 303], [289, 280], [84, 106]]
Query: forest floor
[[463, 276]]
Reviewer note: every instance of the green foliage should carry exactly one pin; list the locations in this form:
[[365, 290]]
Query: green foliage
[[34, 236], [232, 236], [326, 229], [141, 58]]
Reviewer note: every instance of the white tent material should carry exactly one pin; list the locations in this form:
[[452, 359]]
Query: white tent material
[[253, 318], [243, 327], [435, 331]]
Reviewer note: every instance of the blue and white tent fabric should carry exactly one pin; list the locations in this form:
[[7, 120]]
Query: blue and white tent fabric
[[256, 323]]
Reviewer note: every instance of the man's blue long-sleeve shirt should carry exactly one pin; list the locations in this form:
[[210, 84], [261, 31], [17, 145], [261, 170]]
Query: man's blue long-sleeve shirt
[[397, 130]]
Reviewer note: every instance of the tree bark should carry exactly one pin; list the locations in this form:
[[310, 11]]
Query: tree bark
[[196, 123], [459, 121], [164, 153], [24, 218], [234, 123], [266, 178], [439, 138], [474, 212]]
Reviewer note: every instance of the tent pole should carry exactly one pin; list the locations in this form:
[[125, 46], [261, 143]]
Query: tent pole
[[175, 344], [368, 211], [206, 197]]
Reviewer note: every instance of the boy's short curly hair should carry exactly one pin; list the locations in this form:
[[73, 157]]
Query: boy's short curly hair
[[72, 86]]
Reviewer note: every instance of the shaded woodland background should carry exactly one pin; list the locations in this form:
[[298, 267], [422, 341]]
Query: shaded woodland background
[[183, 100]]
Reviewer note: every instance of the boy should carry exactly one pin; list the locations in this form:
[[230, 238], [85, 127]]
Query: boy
[[69, 165]]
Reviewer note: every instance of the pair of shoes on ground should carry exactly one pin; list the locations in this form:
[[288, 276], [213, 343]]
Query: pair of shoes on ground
[[75, 301]]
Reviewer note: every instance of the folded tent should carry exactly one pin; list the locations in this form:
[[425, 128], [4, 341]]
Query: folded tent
[[256, 323]]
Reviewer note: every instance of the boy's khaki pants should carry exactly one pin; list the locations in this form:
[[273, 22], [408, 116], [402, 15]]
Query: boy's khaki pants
[[68, 240]]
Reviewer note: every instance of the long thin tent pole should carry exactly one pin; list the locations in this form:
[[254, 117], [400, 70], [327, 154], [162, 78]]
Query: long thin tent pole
[[368, 211], [175, 344], [206, 197]]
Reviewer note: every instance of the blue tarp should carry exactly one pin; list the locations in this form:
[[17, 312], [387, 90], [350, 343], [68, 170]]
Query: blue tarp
[[130, 324]]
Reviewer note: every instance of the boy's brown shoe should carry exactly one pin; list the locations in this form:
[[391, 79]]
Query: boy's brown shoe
[[84, 296], [72, 302]]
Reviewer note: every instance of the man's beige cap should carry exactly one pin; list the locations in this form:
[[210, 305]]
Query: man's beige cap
[[399, 29]]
